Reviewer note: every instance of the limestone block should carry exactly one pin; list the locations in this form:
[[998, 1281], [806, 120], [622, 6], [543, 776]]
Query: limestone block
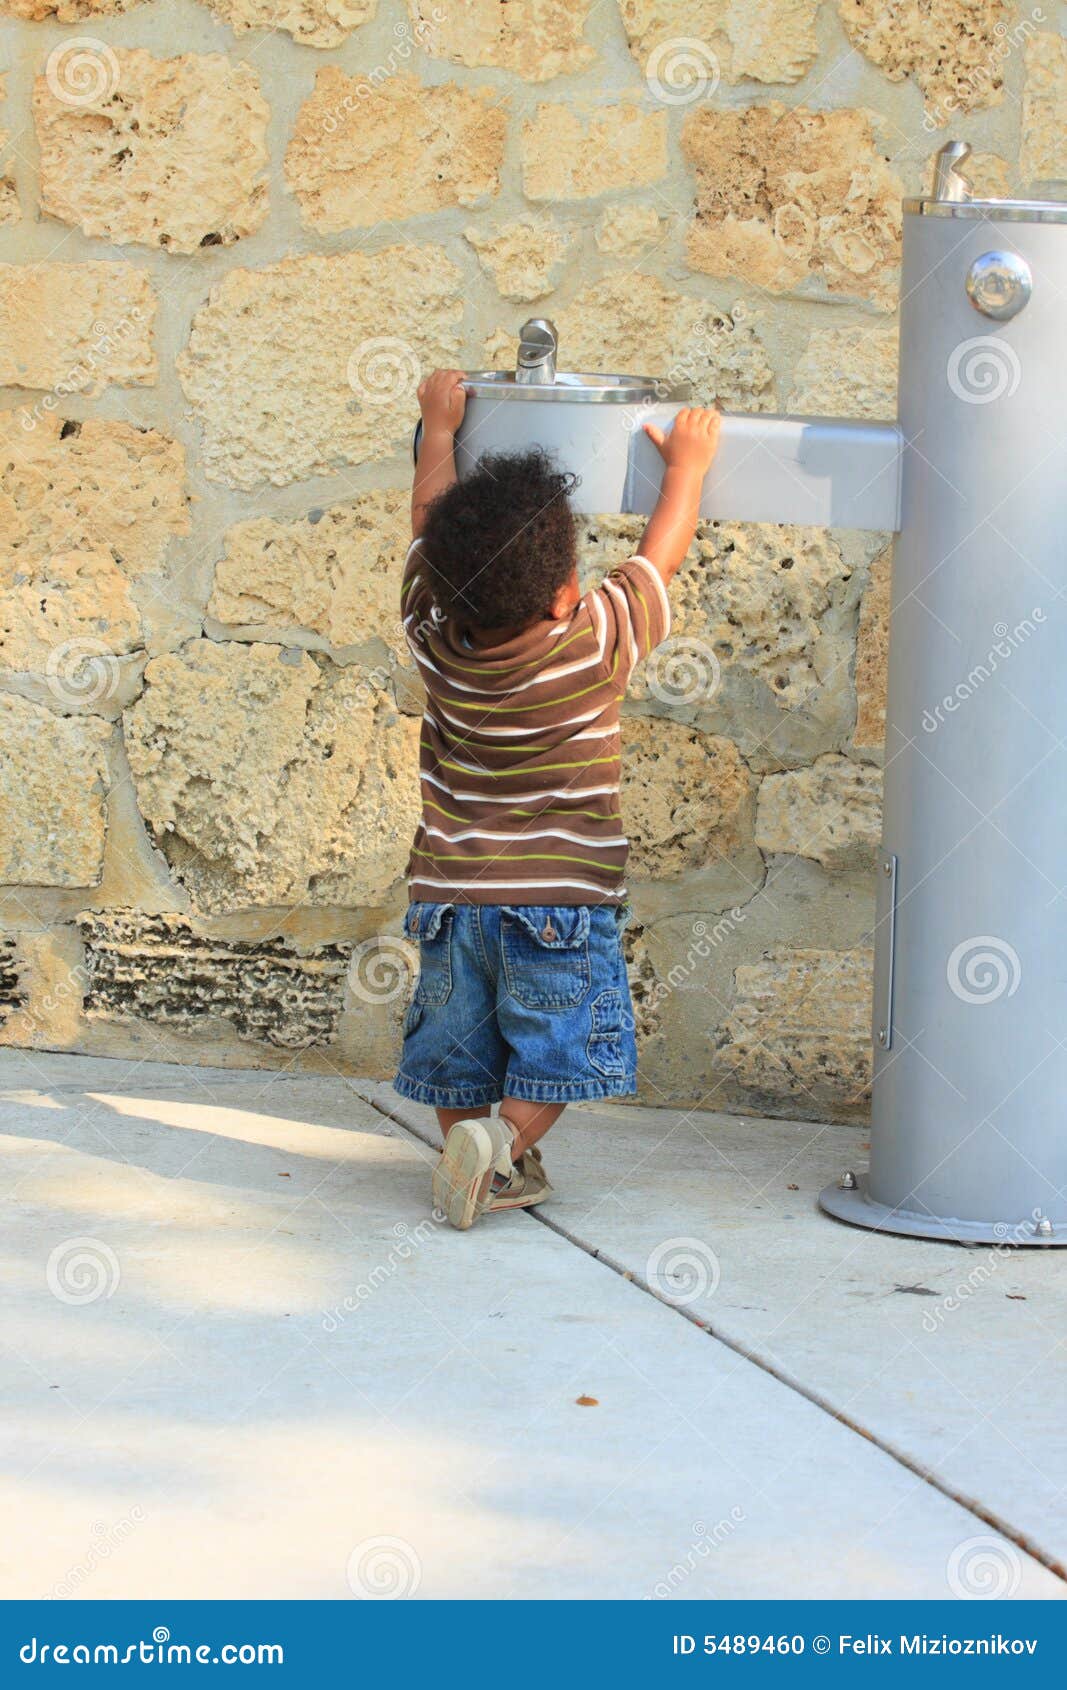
[[166, 152], [362, 155], [336, 572], [314, 23], [64, 11], [646, 990], [633, 321], [991, 177], [794, 199], [9, 203], [88, 486], [53, 790], [830, 812], [571, 153], [523, 258], [872, 654], [42, 980], [847, 373], [1044, 139], [953, 51], [76, 327], [799, 1031], [71, 610], [537, 39], [303, 366], [269, 779], [684, 47], [625, 231], [759, 598], [686, 798], [159, 969], [11, 994]]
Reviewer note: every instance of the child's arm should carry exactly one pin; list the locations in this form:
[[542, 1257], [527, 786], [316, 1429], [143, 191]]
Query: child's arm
[[687, 452], [442, 401]]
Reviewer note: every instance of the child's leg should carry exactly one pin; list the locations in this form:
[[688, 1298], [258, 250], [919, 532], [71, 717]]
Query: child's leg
[[529, 1121], [447, 1118]]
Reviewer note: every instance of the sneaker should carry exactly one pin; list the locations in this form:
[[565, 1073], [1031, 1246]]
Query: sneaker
[[528, 1184], [463, 1179]]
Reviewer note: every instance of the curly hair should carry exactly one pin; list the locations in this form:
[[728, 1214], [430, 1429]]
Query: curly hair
[[500, 544]]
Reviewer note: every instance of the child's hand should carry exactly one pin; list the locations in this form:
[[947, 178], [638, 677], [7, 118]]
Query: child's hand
[[692, 442], [442, 401]]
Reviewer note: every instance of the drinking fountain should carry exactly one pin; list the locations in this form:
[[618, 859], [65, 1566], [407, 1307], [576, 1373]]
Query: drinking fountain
[[969, 1133]]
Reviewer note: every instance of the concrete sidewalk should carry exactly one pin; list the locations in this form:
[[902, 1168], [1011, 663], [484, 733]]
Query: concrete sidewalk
[[241, 1360]]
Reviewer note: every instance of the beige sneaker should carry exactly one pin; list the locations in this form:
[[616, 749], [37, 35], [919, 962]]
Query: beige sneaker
[[528, 1184], [463, 1179]]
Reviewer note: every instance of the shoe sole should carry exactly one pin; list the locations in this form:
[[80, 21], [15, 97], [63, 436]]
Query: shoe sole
[[465, 1161], [520, 1202]]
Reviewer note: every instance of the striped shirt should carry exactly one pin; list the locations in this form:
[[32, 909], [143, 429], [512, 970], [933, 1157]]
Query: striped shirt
[[519, 754]]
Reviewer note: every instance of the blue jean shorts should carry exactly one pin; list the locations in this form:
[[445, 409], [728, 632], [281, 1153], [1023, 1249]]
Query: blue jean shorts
[[527, 1001]]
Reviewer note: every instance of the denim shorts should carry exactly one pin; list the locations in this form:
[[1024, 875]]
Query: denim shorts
[[527, 1001]]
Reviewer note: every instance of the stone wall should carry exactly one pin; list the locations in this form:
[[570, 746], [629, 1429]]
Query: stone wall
[[232, 234]]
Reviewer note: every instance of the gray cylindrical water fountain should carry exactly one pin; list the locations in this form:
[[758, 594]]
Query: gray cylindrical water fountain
[[969, 1137]]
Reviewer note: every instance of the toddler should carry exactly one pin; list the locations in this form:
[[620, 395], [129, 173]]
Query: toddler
[[516, 876]]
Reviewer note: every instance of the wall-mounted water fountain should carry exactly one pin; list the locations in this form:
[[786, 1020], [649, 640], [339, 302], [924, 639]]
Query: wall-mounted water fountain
[[969, 1137]]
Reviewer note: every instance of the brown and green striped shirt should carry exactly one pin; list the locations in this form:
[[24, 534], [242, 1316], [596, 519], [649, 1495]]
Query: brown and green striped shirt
[[520, 746]]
